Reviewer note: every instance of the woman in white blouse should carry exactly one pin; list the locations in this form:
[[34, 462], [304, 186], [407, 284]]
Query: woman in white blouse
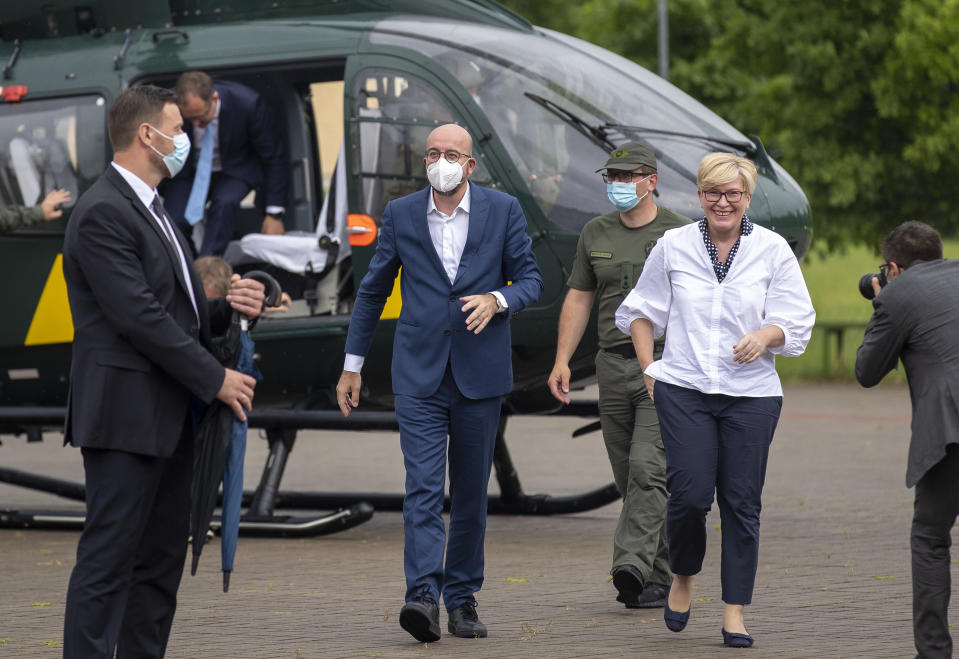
[[729, 295]]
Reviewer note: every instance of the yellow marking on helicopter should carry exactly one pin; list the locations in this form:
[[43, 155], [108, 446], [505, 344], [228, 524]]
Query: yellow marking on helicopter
[[394, 302], [52, 322]]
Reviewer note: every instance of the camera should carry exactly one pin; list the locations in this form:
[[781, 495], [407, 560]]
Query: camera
[[865, 284]]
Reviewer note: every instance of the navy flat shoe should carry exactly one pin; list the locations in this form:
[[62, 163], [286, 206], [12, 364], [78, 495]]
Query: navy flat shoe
[[736, 640], [676, 621]]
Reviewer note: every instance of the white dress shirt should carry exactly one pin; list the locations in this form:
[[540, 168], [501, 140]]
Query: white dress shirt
[[146, 195], [448, 234], [703, 319]]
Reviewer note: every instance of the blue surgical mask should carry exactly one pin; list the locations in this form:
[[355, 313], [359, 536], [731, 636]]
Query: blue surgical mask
[[175, 160], [623, 195]]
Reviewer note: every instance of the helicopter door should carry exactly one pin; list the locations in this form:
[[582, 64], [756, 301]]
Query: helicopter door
[[391, 113]]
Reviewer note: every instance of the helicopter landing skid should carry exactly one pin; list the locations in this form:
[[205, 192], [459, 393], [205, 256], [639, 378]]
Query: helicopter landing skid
[[346, 517], [512, 500], [351, 509]]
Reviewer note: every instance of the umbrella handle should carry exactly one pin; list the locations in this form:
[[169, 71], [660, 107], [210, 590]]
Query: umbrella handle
[[273, 288]]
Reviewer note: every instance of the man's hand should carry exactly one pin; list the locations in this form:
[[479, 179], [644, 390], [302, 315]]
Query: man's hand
[[50, 203], [558, 382], [237, 392], [483, 307], [876, 288], [348, 391], [272, 226], [284, 305], [246, 296]]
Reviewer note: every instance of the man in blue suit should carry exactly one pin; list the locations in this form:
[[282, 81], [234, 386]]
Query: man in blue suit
[[235, 150], [467, 266]]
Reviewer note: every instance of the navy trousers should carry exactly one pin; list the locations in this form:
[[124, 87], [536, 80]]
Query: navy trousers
[[225, 194], [122, 593], [715, 443], [934, 514], [471, 427]]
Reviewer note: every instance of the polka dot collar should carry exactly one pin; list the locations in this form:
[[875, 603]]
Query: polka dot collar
[[722, 269]]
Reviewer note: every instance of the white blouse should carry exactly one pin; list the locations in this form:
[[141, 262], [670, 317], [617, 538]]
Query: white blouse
[[703, 319]]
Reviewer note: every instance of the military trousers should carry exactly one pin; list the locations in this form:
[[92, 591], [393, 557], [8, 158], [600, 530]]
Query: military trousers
[[636, 455]]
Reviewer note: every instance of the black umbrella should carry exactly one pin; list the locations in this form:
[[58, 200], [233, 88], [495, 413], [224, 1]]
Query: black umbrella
[[215, 429]]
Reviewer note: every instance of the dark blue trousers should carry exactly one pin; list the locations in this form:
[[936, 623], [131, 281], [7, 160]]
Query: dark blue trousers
[[225, 194], [715, 443], [471, 427]]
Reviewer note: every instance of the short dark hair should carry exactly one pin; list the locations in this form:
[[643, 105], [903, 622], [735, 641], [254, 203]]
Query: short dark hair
[[134, 106], [196, 83], [912, 242]]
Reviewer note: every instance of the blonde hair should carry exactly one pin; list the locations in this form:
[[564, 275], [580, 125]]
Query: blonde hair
[[215, 273], [719, 168]]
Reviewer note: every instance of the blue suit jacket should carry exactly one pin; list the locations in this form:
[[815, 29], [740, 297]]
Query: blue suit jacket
[[431, 330], [249, 148]]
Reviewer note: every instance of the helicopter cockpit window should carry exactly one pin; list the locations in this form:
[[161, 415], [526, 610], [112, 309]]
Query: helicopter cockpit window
[[394, 115], [558, 105], [49, 144]]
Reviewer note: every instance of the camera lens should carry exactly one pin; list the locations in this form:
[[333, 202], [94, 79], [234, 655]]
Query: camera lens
[[865, 285]]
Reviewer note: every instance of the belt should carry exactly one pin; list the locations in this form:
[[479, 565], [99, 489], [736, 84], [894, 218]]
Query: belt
[[623, 350]]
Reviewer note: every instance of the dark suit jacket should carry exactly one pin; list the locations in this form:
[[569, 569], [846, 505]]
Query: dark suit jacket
[[249, 148], [137, 353], [916, 318], [431, 329]]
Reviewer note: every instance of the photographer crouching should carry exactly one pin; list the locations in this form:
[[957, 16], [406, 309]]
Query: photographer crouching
[[916, 318]]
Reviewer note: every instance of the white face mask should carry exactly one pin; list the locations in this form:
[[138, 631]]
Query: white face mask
[[176, 159], [444, 175]]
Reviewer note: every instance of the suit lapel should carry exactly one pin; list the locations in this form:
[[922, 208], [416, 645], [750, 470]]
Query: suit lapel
[[147, 216], [418, 209], [479, 213]]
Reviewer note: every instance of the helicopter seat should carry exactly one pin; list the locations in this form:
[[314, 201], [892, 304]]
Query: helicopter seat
[[308, 255]]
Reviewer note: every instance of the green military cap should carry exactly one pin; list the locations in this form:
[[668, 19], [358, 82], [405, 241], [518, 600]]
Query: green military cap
[[630, 156]]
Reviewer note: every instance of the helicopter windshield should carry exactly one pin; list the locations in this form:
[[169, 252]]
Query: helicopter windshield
[[559, 105]]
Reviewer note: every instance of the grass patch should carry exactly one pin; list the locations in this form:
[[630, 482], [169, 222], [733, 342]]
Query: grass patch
[[833, 285]]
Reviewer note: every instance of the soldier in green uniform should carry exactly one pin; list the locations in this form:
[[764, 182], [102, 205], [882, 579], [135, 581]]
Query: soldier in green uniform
[[16, 217], [609, 259]]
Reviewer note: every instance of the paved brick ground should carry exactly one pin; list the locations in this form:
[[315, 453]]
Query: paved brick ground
[[833, 579]]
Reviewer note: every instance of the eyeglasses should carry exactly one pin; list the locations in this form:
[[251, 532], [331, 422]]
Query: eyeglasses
[[432, 155], [618, 176], [732, 196]]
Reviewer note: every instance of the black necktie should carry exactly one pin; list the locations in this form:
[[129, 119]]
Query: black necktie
[[157, 207]]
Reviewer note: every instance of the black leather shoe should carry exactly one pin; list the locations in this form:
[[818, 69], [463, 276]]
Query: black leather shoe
[[652, 597], [421, 618], [734, 640], [629, 582], [465, 623]]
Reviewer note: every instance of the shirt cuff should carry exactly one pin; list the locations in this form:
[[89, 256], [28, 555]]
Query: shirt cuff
[[503, 306], [274, 210], [353, 363]]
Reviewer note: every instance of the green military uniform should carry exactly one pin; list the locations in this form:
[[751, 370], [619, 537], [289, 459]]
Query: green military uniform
[[15, 217], [609, 259]]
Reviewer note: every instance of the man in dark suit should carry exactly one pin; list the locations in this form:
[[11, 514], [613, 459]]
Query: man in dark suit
[[235, 150], [467, 267], [139, 358], [915, 319]]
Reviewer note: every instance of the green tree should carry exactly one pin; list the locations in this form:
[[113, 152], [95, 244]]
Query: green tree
[[856, 99]]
